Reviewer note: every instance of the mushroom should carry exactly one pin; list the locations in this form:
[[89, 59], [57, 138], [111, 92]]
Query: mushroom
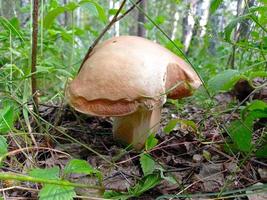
[[129, 78]]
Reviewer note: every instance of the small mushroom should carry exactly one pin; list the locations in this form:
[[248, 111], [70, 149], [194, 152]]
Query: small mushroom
[[129, 78]]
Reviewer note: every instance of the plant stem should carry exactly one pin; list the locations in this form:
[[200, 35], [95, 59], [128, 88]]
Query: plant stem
[[34, 54], [20, 177]]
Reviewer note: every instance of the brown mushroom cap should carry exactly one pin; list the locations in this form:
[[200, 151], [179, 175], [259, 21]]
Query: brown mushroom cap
[[128, 72]]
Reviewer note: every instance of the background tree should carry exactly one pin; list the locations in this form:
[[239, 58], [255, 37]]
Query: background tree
[[141, 20]]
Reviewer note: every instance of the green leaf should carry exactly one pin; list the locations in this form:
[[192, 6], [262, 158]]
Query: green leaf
[[7, 119], [169, 45], [170, 126], [215, 5], [253, 115], [172, 123], [101, 13], [224, 81], [116, 195], [71, 6], [159, 19], [255, 110], [151, 142], [56, 192], [50, 191], [51, 16], [81, 167], [241, 135], [3, 145], [94, 5], [147, 164], [112, 11], [262, 152], [145, 184], [49, 173], [257, 105], [9, 26]]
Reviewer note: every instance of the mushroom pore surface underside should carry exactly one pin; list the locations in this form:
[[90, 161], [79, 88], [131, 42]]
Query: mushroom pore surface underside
[[129, 78]]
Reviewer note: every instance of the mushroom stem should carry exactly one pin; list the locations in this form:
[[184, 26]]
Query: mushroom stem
[[136, 127]]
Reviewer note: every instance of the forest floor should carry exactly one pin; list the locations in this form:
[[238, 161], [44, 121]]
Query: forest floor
[[196, 159]]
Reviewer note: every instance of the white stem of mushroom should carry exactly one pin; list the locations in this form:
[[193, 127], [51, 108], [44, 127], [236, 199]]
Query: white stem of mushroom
[[136, 127]]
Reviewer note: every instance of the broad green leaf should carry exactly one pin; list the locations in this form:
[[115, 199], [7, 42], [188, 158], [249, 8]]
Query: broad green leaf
[[116, 195], [9, 26], [147, 183], [253, 115], [170, 126], [51, 16], [257, 105], [172, 123], [224, 81], [262, 152], [101, 13], [255, 110], [147, 164], [94, 5], [49, 173], [50, 191], [66, 36], [169, 45], [7, 119], [241, 135], [81, 167], [15, 23], [215, 5], [3, 146], [56, 192], [71, 6], [148, 26], [151, 142], [112, 11], [159, 19]]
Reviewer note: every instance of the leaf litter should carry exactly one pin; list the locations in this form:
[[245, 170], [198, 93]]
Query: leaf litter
[[195, 159]]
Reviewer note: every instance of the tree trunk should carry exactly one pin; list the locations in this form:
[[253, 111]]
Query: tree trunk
[[7, 9], [188, 24], [141, 31], [242, 30], [204, 16], [78, 17], [214, 21], [174, 26]]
